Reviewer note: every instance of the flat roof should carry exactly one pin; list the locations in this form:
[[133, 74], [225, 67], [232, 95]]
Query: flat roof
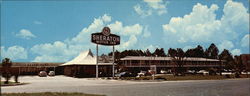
[[166, 58], [90, 64], [37, 64]]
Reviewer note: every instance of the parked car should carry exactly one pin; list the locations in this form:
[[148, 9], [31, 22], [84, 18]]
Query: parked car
[[51, 73], [142, 73], [42, 74], [129, 74], [120, 74], [190, 72], [125, 74], [204, 72], [164, 72]]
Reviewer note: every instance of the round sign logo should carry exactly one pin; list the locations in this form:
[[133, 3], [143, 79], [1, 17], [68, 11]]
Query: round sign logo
[[106, 31]]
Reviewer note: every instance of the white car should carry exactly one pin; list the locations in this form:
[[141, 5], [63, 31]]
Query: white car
[[51, 73], [204, 72], [142, 73], [163, 72]]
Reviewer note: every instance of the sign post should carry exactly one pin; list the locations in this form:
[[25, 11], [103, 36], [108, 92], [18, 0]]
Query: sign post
[[153, 71], [96, 62], [107, 39], [113, 66]]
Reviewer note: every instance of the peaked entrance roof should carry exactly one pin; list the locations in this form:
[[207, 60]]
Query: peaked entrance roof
[[84, 58]]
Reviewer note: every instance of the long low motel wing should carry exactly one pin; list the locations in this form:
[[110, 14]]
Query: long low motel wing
[[137, 63]]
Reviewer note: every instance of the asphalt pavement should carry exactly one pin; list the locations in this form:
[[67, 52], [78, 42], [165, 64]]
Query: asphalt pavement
[[231, 87]]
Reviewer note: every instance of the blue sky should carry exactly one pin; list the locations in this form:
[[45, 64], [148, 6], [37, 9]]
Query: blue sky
[[56, 31]]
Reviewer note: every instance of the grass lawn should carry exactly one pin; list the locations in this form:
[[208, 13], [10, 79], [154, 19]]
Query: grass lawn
[[49, 94], [192, 77], [11, 83], [2, 82]]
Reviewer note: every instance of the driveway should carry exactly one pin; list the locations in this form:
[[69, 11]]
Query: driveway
[[232, 87]]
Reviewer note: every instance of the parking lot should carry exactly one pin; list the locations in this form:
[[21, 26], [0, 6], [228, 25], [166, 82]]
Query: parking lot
[[234, 87]]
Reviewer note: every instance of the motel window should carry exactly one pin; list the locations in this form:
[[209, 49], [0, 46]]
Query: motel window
[[161, 62], [147, 62], [214, 62], [127, 62], [200, 63], [142, 62], [167, 62], [135, 61]]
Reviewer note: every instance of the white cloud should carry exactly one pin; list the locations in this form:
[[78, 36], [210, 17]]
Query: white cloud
[[25, 34], [57, 51], [151, 48], [202, 26], [116, 27], [245, 41], [225, 45], [236, 52], [61, 51], [95, 26], [146, 32], [48, 58], [14, 52], [199, 25], [158, 6], [37, 22], [106, 18], [128, 44], [129, 30], [57, 47], [142, 13], [135, 29], [235, 16]]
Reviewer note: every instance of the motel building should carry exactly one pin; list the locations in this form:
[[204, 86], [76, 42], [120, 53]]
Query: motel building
[[33, 68], [83, 65], [135, 64]]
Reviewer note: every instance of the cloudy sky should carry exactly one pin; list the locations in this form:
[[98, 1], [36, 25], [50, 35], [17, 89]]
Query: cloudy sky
[[56, 31]]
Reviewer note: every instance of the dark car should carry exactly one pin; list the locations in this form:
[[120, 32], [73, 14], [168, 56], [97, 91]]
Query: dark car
[[125, 74]]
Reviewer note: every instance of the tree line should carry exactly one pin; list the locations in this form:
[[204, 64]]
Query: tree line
[[212, 52]]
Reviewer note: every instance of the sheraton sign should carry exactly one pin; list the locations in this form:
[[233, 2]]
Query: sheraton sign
[[105, 38], [108, 39]]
